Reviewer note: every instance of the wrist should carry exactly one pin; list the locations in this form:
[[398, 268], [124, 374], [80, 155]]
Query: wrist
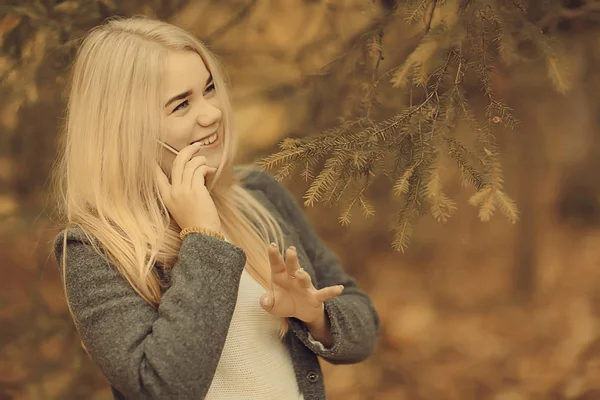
[[318, 321], [202, 230], [320, 329]]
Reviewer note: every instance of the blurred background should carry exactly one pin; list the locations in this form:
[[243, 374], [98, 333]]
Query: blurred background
[[470, 310]]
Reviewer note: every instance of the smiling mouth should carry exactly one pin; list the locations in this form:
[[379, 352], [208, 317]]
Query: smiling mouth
[[208, 140]]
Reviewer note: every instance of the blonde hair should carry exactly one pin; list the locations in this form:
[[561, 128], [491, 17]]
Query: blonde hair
[[104, 179]]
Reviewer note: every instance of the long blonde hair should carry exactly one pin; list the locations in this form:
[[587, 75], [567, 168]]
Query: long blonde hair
[[104, 179]]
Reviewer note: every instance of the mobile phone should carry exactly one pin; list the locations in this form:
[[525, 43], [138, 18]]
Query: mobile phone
[[168, 147]]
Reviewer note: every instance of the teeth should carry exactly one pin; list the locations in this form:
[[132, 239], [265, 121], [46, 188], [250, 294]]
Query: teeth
[[211, 139]]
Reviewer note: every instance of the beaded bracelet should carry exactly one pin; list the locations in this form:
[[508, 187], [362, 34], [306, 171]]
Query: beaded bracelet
[[204, 231]]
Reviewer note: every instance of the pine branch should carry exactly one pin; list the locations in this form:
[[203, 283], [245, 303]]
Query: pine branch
[[307, 172], [341, 185], [441, 206], [470, 175], [410, 211], [462, 41], [415, 10], [284, 171], [403, 184], [485, 202], [424, 51], [271, 161], [368, 209], [324, 181], [507, 206]]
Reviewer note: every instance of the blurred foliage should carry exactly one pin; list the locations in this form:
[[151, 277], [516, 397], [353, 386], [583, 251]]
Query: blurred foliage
[[489, 311]]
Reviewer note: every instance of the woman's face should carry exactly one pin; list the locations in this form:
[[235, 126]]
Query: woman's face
[[192, 109]]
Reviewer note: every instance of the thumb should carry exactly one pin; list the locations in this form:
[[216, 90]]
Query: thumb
[[266, 302]]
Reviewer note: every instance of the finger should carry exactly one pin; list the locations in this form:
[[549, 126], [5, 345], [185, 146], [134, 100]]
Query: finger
[[267, 301], [275, 259], [179, 164], [291, 261], [201, 173], [164, 187], [190, 169], [329, 292], [303, 278]]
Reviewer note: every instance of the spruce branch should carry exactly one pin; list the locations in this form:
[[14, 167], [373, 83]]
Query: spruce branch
[[423, 52], [359, 197], [415, 9], [469, 174], [462, 41], [325, 180], [403, 228]]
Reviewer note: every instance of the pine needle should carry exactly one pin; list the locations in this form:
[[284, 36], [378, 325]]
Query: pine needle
[[367, 208], [404, 228], [486, 210], [478, 198], [322, 182], [415, 9], [442, 208], [434, 185], [307, 173], [402, 185], [507, 206], [424, 51]]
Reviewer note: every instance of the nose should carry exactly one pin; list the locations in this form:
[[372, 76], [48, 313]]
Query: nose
[[209, 114]]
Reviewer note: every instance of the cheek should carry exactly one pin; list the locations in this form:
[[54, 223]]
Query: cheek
[[180, 130]]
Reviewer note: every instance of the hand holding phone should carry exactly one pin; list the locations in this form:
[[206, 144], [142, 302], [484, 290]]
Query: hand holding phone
[[187, 197]]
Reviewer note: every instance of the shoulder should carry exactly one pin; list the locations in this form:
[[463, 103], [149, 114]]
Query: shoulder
[[253, 177], [73, 236], [69, 234], [256, 179]]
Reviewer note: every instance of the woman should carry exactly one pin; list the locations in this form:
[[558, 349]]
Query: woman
[[166, 259]]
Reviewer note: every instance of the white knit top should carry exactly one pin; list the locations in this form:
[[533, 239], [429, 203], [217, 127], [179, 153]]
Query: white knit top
[[255, 363]]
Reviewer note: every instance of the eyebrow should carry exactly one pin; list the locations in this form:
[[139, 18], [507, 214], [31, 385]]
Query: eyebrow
[[187, 92]]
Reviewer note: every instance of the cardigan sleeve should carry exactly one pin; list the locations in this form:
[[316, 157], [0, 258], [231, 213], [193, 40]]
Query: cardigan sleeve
[[353, 319], [168, 352]]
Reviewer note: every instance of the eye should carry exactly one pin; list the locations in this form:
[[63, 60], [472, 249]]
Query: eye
[[210, 88], [179, 107]]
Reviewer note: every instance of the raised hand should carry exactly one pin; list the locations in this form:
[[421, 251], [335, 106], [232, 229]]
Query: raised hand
[[292, 293]]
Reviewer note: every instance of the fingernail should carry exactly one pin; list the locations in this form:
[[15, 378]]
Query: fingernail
[[341, 287], [266, 301], [293, 248], [273, 245]]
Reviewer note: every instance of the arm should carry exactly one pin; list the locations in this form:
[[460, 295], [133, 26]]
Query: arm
[[167, 353], [353, 321]]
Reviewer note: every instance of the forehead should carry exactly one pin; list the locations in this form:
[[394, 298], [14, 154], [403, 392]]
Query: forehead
[[183, 70]]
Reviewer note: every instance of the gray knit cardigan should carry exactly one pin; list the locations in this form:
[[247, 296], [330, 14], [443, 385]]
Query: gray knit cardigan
[[172, 352]]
